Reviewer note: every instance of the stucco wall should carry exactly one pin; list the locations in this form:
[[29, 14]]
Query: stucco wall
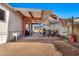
[[12, 23], [15, 23], [4, 26]]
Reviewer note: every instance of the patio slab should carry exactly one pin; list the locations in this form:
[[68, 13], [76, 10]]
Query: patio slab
[[28, 49]]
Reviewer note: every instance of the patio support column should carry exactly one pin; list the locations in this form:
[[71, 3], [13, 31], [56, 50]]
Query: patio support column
[[23, 24], [30, 26], [72, 37], [29, 23]]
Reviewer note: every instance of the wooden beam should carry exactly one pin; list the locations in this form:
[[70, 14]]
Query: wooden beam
[[36, 23], [34, 18], [42, 14], [20, 13], [30, 14], [53, 16]]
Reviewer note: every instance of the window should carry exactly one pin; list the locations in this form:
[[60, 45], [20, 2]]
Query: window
[[2, 15]]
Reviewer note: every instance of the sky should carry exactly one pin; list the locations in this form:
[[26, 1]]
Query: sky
[[63, 10]]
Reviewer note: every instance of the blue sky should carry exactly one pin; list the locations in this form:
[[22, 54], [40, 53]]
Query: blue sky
[[64, 10]]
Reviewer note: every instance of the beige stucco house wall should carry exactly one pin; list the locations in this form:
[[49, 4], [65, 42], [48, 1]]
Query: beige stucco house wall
[[4, 25], [15, 23], [12, 23]]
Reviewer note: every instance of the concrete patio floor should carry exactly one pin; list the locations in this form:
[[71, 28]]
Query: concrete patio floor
[[28, 49], [39, 47], [61, 45]]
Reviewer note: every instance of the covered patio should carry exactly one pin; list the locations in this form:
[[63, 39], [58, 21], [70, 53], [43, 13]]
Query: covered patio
[[32, 18]]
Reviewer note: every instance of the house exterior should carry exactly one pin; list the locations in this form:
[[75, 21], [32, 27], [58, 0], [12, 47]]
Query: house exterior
[[76, 28], [59, 24], [64, 28], [12, 22]]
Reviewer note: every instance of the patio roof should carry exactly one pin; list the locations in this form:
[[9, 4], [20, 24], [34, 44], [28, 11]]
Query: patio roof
[[29, 12], [35, 14], [53, 19]]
